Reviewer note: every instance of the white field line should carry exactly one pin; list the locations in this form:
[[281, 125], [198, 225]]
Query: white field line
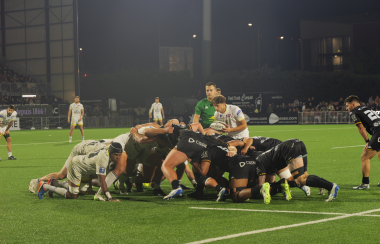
[[254, 131], [39, 143], [285, 227], [348, 146]]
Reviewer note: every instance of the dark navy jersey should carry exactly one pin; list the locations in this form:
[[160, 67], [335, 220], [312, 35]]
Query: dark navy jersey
[[370, 119], [264, 143], [217, 157], [172, 139]]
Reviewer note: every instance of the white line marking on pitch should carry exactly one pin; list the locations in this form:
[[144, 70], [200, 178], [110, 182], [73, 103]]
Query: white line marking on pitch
[[285, 227], [348, 146], [38, 143]]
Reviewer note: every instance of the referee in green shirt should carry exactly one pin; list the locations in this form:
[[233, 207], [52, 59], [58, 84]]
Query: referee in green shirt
[[204, 109]]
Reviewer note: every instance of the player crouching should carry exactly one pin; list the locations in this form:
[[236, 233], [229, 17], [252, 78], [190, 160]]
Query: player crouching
[[80, 167]]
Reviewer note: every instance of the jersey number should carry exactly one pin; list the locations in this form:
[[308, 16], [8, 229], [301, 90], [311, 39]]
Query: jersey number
[[91, 155], [371, 115]]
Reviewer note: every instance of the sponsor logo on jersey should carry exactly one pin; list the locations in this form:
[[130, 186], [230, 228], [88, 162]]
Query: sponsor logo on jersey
[[201, 144], [102, 170], [191, 140], [204, 154], [206, 107], [242, 164], [238, 112]]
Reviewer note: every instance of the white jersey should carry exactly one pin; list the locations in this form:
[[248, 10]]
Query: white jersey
[[86, 147], [122, 139], [156, 108], [231, 116], [76, 110], [5, 119], [84, 165]]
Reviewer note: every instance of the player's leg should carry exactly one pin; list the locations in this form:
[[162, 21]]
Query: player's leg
[[81, 129], [302, 178], [71, 130], [240, 192], [173, 159], [190, 175], [9, 147], [180, 171], [366, 157]]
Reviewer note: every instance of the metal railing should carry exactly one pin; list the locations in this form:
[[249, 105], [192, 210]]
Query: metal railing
[[324, 117]]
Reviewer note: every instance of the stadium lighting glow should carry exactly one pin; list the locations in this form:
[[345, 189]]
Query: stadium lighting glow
[[80, 49], [281, 37], [249, 24], [194, 36], [28, 95]]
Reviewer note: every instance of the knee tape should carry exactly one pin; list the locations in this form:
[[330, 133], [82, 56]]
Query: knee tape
[[285, 174], [298, 172]]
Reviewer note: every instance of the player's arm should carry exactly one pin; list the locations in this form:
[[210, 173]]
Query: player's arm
[[151, 132], [202, 167], [140, 138], [242, 126], [197, 127], [150, 112], [147, 124], [103, 185], [81, 114], [162, 111], [69, 116], [197, 113], [363, 133], [247, 144]]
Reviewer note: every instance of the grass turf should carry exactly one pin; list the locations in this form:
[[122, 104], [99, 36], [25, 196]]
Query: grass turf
[[143, 218]]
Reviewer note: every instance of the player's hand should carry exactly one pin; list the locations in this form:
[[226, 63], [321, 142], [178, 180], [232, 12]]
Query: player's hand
[[80, 119], [68, 121], [6, 132], [252, 147], [231, 153], [365, 148], [133, 130], [227, 129], [114, 200], [243, 151], [138, 126]]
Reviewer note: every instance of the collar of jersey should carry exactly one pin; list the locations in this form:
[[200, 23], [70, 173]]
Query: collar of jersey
[[225, 112]]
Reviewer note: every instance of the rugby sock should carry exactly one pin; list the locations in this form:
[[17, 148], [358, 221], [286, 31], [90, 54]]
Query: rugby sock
[[293, 184], [315, 181], [194, 182], [275, 188], [255, 191], [156, 185], [70, 137], [82, 138], [218, 188], [365, 180], [9, 154], [57, 190], [175, 184], [62, 184]]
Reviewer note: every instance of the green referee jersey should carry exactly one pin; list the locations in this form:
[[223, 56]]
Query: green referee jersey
[[206, 111]]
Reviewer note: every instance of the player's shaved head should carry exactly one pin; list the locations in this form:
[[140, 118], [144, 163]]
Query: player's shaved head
[[352, 99]]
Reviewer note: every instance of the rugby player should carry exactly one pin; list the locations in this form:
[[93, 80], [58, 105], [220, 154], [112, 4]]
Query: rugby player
[[292, 153], [7, 116], [218, 91], [231, 115], [76, 112], [204, 108], [82, 148], [157, 109], [81, 166], [367, 121]]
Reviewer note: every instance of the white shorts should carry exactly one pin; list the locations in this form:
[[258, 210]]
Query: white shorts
[[157, 116], [75, 121], [72, 174], [2, 129]]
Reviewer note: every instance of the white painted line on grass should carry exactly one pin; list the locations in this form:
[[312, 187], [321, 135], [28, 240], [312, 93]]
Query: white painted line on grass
[[348, 146], [38, 143], [284, 227], [269, 211]]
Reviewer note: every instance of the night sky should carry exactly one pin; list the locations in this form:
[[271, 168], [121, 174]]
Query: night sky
[[126, 33]]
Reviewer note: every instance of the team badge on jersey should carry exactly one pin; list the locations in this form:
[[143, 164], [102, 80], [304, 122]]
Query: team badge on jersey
[[102, 170]]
